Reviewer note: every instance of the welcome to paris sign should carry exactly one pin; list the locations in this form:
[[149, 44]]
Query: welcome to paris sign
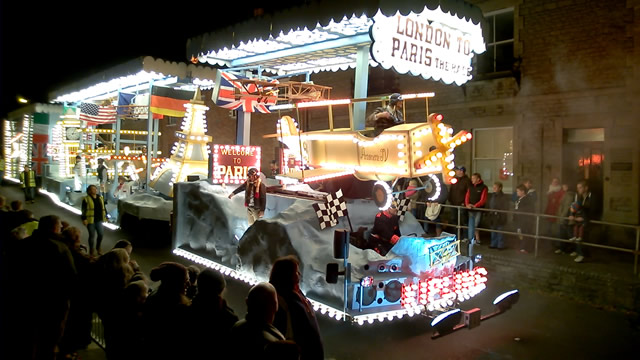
[[431, 44]]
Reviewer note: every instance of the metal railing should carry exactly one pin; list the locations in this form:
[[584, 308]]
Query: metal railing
[[97, 331], [536, 235]]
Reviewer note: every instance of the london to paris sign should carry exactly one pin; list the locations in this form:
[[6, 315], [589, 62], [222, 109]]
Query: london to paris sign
[[431, 44]]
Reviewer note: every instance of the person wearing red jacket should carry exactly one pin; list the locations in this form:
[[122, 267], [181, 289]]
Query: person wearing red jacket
[[476, 197], [255, 195]]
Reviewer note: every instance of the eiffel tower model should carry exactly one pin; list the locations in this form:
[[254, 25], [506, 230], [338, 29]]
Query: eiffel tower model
[[190, 154]]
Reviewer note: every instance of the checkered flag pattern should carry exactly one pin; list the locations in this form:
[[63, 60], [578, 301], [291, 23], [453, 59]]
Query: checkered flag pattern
[[402, 205], [336, 204], [325, 216]]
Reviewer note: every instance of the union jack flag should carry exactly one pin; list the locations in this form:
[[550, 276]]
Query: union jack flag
[[39, 152], [253, 97]]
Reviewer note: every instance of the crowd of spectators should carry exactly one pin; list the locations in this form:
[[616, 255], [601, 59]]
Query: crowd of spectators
[[52, 287], [569, 211]]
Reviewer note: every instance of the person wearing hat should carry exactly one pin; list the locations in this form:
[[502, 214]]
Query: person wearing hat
[[208, 308], [165, 312], [387, 116], [255, 195], [386, 230]]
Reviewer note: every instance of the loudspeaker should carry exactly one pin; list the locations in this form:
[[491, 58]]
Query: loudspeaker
[[382, 293], [383, 266], [341, 244], [332, 273]]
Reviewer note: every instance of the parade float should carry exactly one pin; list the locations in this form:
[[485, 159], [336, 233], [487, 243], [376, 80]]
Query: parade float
[[119, 115], [419, 275], [310, 214]]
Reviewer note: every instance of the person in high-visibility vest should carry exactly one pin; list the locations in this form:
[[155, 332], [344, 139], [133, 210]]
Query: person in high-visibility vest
[[93, 215], [28, 181]]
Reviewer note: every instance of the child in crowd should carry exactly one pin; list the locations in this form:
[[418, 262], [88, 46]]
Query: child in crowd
[[578, 226]]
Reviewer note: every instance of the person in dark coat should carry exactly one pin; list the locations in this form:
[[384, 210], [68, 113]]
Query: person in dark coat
[[563, 224], [497, 201], [295, 317], [457, 193], [255, 195], [127, 330], [251, 335], [165, 312], [77, 333], [523, 204], [43, 308], [210, 317], [590, 209]]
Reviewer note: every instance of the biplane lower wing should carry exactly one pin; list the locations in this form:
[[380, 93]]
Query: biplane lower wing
[[309, 176]]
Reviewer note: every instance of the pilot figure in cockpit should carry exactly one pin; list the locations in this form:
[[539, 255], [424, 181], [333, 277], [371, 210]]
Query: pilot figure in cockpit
[[388, 116]]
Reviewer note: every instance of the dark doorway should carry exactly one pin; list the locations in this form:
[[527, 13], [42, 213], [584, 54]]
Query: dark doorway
[[583, 158]]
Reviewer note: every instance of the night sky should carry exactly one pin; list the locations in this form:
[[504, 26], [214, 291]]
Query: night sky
[[46, 45]]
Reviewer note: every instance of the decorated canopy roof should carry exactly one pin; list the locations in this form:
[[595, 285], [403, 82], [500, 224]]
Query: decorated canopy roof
[[134, 76], [320, 36]]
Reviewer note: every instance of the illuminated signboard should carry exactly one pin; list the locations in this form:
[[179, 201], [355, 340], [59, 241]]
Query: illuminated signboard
[[431, 44], [231, 162]]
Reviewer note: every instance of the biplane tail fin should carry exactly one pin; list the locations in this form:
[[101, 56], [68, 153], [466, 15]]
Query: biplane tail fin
[[287, 126], [288, 132]]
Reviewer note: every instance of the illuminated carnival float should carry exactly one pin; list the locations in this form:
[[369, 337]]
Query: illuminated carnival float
[[318, 224], [419, 274], [78, 134], [27, 135], [119, 119]]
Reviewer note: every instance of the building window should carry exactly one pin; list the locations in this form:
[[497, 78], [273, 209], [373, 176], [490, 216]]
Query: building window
[[499, 55], [493, 156]]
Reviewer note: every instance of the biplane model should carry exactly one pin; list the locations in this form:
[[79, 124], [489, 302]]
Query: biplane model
[[403, 151]]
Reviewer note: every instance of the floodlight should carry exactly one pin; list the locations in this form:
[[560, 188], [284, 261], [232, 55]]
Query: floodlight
[[446, 322], [506, 300]]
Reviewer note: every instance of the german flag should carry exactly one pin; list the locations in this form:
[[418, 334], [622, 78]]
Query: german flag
[[168, 101]]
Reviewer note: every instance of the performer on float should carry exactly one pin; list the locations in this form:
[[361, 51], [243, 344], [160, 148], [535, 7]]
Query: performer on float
[[386, 230], [123, 189], [388, 116], [77, 174], [255, 195], [103, 176]]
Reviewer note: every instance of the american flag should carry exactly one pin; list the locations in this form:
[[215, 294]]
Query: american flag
[[95, 114], [251, 97]]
